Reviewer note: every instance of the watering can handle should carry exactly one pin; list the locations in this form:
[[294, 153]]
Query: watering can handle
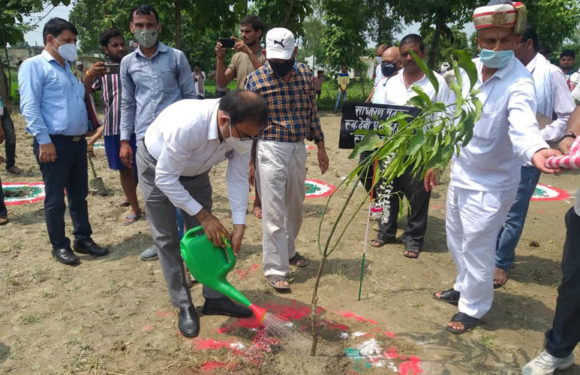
[[228, 249]]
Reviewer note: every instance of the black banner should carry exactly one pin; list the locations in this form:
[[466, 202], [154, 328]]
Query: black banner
[[356, 116]]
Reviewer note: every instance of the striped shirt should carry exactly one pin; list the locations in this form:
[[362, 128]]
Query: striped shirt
[[292, 113], [110, 85]]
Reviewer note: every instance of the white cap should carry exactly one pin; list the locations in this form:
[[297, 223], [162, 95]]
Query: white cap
[[79, 63], [279, 43]]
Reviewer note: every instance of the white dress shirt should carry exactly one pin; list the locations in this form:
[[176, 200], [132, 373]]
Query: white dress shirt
[[378, 74], [394, 92], [185, 141], [506, 135], [562, 102]]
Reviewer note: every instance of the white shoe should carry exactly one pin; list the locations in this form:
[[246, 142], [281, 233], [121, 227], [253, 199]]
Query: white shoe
[[546, 364]]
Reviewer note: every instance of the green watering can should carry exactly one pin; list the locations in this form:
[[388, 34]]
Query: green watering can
[[210, 265]]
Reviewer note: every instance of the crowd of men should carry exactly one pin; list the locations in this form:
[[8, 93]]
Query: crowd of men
[[162, 137]]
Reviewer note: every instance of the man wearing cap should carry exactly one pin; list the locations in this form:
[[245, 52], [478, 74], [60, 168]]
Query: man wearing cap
[[485, 174], [289, 91], [553, 98], [79, 70]]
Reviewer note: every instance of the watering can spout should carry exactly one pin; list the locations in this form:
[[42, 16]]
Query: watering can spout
[[210, 265], [259, 312]]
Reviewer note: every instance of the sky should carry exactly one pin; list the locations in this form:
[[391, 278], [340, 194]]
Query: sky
[[34, 38]]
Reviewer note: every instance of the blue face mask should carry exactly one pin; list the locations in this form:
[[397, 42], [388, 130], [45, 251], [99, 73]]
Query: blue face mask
[[495, 59]]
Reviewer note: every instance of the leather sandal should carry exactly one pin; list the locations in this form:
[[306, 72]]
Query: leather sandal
[[298, 260], [450, 296], [469, 323], [278, 282]]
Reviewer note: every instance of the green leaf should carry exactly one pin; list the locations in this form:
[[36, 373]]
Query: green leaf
[[464, 60], [428, 72], [369, 142], [416, 143]]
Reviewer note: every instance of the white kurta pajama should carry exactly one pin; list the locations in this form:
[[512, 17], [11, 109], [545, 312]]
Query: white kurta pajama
[[485, 177]]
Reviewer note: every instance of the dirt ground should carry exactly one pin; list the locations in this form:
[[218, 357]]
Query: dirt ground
[[112, 315]]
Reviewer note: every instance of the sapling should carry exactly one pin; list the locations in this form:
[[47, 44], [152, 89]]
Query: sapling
[[426, 141]]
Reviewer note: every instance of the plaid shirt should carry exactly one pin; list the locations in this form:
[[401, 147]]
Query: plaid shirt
[[292, 113]]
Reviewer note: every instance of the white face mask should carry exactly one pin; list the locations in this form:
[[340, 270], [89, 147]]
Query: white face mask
[[240, 146], [67, 51]]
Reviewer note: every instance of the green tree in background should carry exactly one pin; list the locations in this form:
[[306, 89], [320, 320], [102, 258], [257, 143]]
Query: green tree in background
[[12, 13], [554, 21], [458, 40], [290, 14]]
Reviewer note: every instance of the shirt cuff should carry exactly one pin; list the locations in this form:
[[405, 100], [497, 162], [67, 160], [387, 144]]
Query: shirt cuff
[[43, 138], [532, 150], [192, 207], [239, 217]]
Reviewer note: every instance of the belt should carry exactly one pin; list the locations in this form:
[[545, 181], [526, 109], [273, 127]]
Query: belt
[[73, 138]]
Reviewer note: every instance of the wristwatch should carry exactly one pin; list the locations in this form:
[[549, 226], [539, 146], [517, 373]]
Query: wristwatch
[[569, 134]]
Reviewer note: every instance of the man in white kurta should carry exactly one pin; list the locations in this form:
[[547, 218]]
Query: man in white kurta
[[553, 101], [486, 173], [397, 90]]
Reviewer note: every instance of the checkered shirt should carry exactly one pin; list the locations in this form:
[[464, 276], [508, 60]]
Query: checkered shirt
[[292, 113]]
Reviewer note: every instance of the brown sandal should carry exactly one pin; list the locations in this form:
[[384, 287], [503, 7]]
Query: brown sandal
[[278, 282], [298, 260]]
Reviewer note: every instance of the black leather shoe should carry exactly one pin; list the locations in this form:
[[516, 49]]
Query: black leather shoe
[[450, 296], [90, 247], [188, 322], [66, 256], [224, 306]]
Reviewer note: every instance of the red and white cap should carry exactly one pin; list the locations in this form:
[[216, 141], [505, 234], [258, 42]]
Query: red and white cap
[[279, 43], [501, 15]]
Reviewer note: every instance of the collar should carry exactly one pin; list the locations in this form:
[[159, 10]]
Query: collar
[[160, 49], [532, 64], [50, 58], [402, 78], [213, 132]]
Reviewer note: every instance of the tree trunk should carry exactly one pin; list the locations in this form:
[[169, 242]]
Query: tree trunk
[[288, 13], [314, 306], [4, 89], [9, 82], [177, 24], [439, 25]]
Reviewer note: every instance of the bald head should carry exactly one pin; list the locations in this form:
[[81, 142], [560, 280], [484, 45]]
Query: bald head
[[391, 54], [380, 49]]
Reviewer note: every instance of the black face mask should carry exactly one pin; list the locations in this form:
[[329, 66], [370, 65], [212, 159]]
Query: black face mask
[[388, 68], [281, 69]]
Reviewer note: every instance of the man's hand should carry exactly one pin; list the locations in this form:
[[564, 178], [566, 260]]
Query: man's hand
[[46, 153], [539, 159], [96, 70], [220, 52], [240, 46], [565, 144], [213, 228], [126, 154], [237, 237], [322, 157], [430, 180]]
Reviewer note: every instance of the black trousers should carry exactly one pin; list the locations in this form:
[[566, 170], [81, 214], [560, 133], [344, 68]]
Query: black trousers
[[413, 189], [68, 171], [3, 212], [9, 139], [562, 338]]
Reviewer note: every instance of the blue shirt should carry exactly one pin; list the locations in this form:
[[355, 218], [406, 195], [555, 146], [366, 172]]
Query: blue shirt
[[51, 98], [148, 85]]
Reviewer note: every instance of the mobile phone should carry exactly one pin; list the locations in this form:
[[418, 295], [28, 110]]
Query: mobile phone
[[111, 68], [227, 42]]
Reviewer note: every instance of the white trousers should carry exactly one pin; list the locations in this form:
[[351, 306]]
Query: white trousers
[[474, 219], [281, 175]]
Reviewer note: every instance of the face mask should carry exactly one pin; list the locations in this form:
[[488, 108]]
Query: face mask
[[67, 51], [281, 69], [379, 59], [495, 59], [147, 37], [388, 68], [241, 147]]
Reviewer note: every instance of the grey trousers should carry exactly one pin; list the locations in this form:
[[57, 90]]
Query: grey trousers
[[161, 219]]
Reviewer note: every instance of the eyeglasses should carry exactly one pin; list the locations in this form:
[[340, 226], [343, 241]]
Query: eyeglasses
[[246, 137]]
